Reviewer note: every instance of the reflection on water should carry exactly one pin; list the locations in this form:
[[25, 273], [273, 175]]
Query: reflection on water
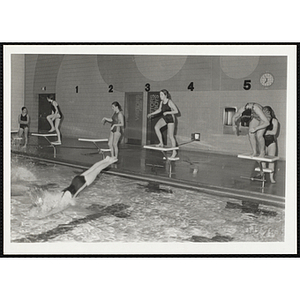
[[118, 209]]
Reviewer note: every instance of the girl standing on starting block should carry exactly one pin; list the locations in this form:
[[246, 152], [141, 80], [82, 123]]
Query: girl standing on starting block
[[116, 129], [55, 118], [257, 126], [168, 109]]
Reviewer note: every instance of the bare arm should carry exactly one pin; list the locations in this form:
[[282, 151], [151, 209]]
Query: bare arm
[[237, 115], [109, 120], [23, 122], [235, 118], [157, 111]]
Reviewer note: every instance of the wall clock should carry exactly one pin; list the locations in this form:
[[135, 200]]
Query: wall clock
[[266, 79]]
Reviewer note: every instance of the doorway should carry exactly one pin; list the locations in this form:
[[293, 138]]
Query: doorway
[[44, 111], [133, 118]]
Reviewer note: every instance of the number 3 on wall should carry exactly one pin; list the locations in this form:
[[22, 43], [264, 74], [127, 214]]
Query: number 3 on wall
[[247, 85]]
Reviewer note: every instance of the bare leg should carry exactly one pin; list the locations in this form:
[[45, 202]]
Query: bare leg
[[160, 123], [116, 137], [271, 150], [91, 174], [50, 120], [261, 142], [57, 122], [171, 127], [20, 133], [252, 136], [26, 136], [252, 139], [110, 144]]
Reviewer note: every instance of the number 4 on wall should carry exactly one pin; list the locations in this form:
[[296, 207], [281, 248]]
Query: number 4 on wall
[[191, 86]]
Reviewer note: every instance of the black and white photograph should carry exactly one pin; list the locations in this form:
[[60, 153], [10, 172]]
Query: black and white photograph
[[154, 149]]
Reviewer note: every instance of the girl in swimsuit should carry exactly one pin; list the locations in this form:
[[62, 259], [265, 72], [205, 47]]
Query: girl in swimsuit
[[54, 119], [116, 129], [257, 127], [24, 122], [270, 138], [168, 109], [68, 194]]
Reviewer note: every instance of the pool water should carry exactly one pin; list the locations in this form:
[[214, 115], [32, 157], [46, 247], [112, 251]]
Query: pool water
[[118, 209]]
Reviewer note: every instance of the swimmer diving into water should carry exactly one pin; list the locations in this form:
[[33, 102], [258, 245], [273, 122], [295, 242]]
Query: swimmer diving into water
[[78, 183]]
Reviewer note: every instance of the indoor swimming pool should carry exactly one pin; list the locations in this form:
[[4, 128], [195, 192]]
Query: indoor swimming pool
[[119, 209]]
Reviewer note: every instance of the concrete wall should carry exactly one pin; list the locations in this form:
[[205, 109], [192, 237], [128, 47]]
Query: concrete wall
[[218, 83], [17, 88]]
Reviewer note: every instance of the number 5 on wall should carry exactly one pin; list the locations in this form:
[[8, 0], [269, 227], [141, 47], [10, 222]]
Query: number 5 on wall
[[247, 85]]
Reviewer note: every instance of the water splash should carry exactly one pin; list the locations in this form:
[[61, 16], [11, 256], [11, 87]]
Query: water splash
[[46, 203], [19, 173]]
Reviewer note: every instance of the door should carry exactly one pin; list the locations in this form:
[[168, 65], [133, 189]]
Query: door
[[44, 111], [153, 102], [133, 118]]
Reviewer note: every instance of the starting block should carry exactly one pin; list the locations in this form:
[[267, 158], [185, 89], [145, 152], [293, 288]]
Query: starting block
[[15, 139], [265, 170], [51, 144], [260, 161], [95, 141], [164, 151]]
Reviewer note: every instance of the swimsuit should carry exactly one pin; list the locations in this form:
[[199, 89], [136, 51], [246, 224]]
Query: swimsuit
[[115, 120], [23, 118], [168, 118], [76, 184], [246, 117], [269, 138], [54, 110]]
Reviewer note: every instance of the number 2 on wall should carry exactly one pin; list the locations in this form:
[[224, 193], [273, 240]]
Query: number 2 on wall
[[110, 88]]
